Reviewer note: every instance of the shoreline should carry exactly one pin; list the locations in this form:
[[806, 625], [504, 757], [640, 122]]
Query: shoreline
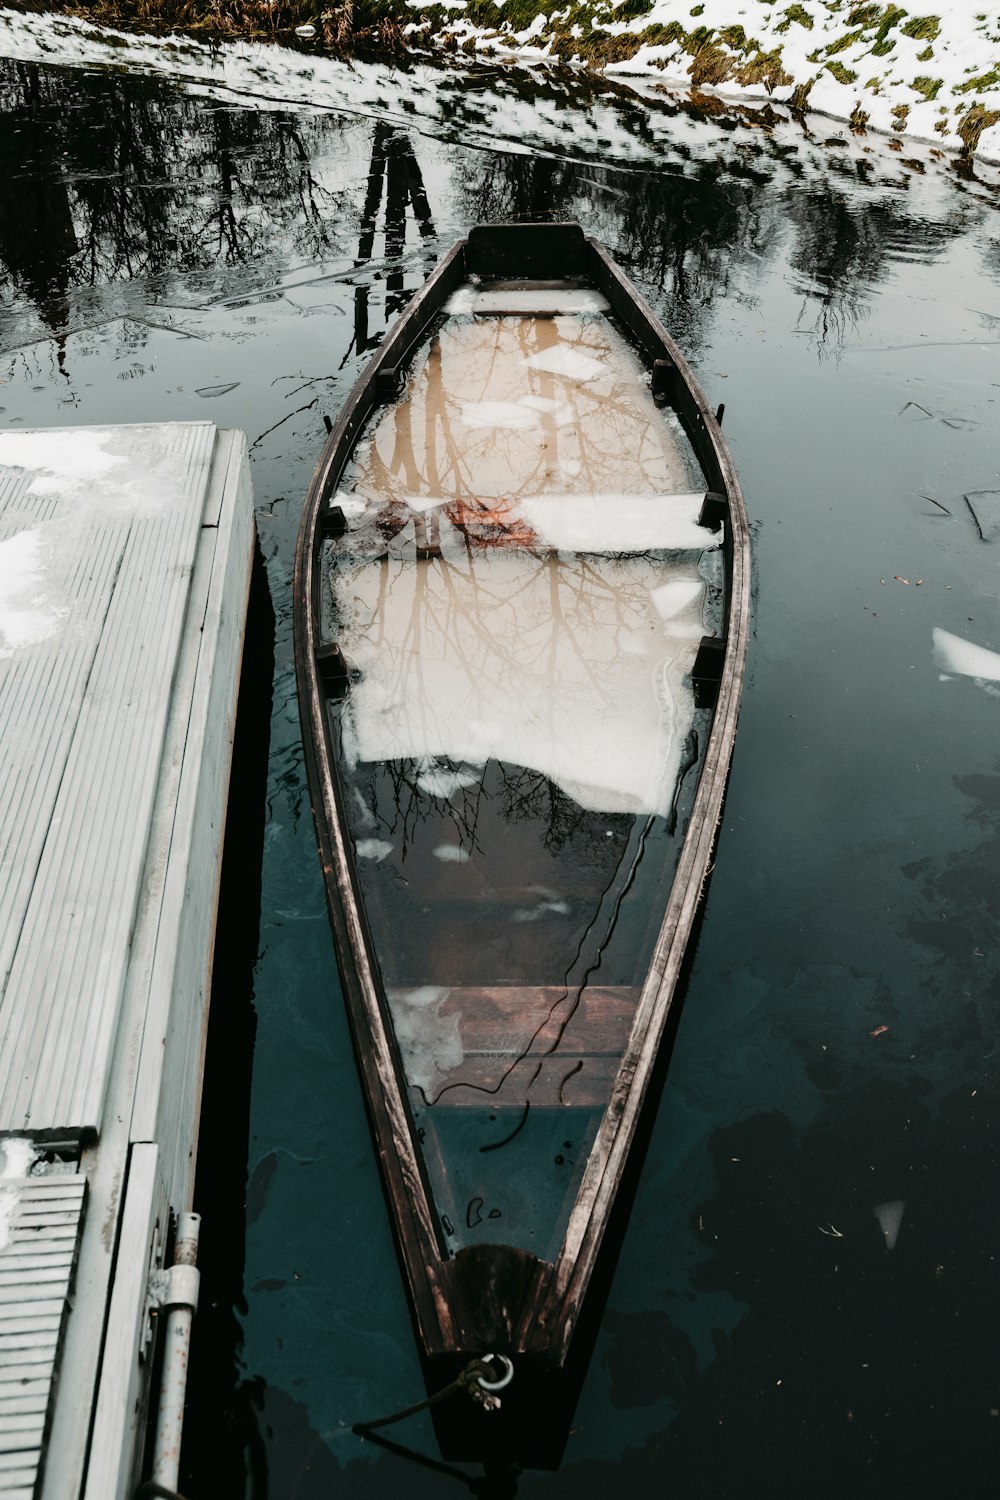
[[308, 77]]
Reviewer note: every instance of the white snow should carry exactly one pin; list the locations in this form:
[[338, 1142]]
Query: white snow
[[619, 523], [82, 482], [28, 613], [494, 301], [17, 1156], [70, 462]]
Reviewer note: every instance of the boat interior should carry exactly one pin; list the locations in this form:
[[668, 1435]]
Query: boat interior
[[519, 592]]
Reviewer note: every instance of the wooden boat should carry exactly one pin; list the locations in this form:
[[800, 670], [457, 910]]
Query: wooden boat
[[521, 613]]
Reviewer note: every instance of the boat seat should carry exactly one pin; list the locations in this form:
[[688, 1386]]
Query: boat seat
[[542, 1043]]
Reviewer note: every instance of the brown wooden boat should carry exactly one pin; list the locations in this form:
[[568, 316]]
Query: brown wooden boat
[[521, 614]]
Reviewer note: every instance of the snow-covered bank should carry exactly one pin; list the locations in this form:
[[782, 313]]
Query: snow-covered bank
[[641, 121], [936, 77]]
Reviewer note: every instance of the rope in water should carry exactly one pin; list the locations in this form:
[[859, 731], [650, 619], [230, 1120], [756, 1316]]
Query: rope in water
[[477, 1380]]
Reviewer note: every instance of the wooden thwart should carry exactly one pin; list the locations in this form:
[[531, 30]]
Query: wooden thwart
[[552, 1045]]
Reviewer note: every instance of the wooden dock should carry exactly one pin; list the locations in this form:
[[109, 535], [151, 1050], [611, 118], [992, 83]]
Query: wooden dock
[[125, 556]]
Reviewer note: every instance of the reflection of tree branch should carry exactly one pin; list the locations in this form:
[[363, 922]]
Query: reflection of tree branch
[[267, 432]]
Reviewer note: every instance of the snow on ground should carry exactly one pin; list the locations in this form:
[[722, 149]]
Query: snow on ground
[[913, 77], [898, 71]]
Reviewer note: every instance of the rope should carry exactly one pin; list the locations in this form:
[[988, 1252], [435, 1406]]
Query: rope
[[468, 1381]]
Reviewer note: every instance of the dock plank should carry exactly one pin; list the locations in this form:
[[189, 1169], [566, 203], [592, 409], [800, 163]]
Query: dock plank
[[65, 978]]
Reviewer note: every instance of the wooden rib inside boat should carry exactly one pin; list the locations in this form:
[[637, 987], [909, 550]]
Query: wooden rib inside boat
[[522, 589]]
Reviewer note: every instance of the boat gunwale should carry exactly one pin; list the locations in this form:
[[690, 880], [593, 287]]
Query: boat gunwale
[[551, 1312]]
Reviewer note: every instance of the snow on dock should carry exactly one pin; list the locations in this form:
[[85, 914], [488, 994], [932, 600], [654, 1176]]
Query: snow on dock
[[125, 559]]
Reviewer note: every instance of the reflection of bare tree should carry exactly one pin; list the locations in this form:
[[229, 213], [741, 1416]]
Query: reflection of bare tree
[[700, 237], [394, 171], [38, 241], [155, 182], [842, 249]]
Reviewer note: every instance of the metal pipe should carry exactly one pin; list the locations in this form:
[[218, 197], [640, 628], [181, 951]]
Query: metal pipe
[[179, 1304]]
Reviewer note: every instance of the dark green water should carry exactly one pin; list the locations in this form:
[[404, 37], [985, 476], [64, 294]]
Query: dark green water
[[165, 257]]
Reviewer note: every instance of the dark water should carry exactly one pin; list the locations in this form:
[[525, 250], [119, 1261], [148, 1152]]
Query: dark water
[[162, 257]]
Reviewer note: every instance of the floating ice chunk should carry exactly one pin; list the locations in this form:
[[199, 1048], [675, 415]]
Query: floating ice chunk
[[567, 362], [452, 854], [619, 523], [421, 503], [543, 909], [503, 671], [352, 505], [890, 1217], [641, 642], [441, 781], [953, 654], [376, 849], [671, 599], [504, 414], [429, 1042], [364, 815]]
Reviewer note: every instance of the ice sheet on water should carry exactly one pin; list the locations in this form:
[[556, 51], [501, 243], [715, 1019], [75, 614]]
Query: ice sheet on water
[[953, 654], [429, 1042], [569, 363]]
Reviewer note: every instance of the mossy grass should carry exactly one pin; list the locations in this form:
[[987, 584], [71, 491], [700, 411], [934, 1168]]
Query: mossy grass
[[929, 87], [922, 28], [797, 15], [972, 124], [842, 74]]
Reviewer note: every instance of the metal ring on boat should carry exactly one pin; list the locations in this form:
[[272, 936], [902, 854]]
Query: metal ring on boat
[[505, 1379]]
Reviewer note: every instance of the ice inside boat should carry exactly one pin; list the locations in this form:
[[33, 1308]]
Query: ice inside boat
[[519, 595]]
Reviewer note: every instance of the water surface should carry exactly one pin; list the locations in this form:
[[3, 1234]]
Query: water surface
[[164, 256]]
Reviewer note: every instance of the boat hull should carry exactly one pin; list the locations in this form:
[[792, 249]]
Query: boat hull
[[476, 1298]]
